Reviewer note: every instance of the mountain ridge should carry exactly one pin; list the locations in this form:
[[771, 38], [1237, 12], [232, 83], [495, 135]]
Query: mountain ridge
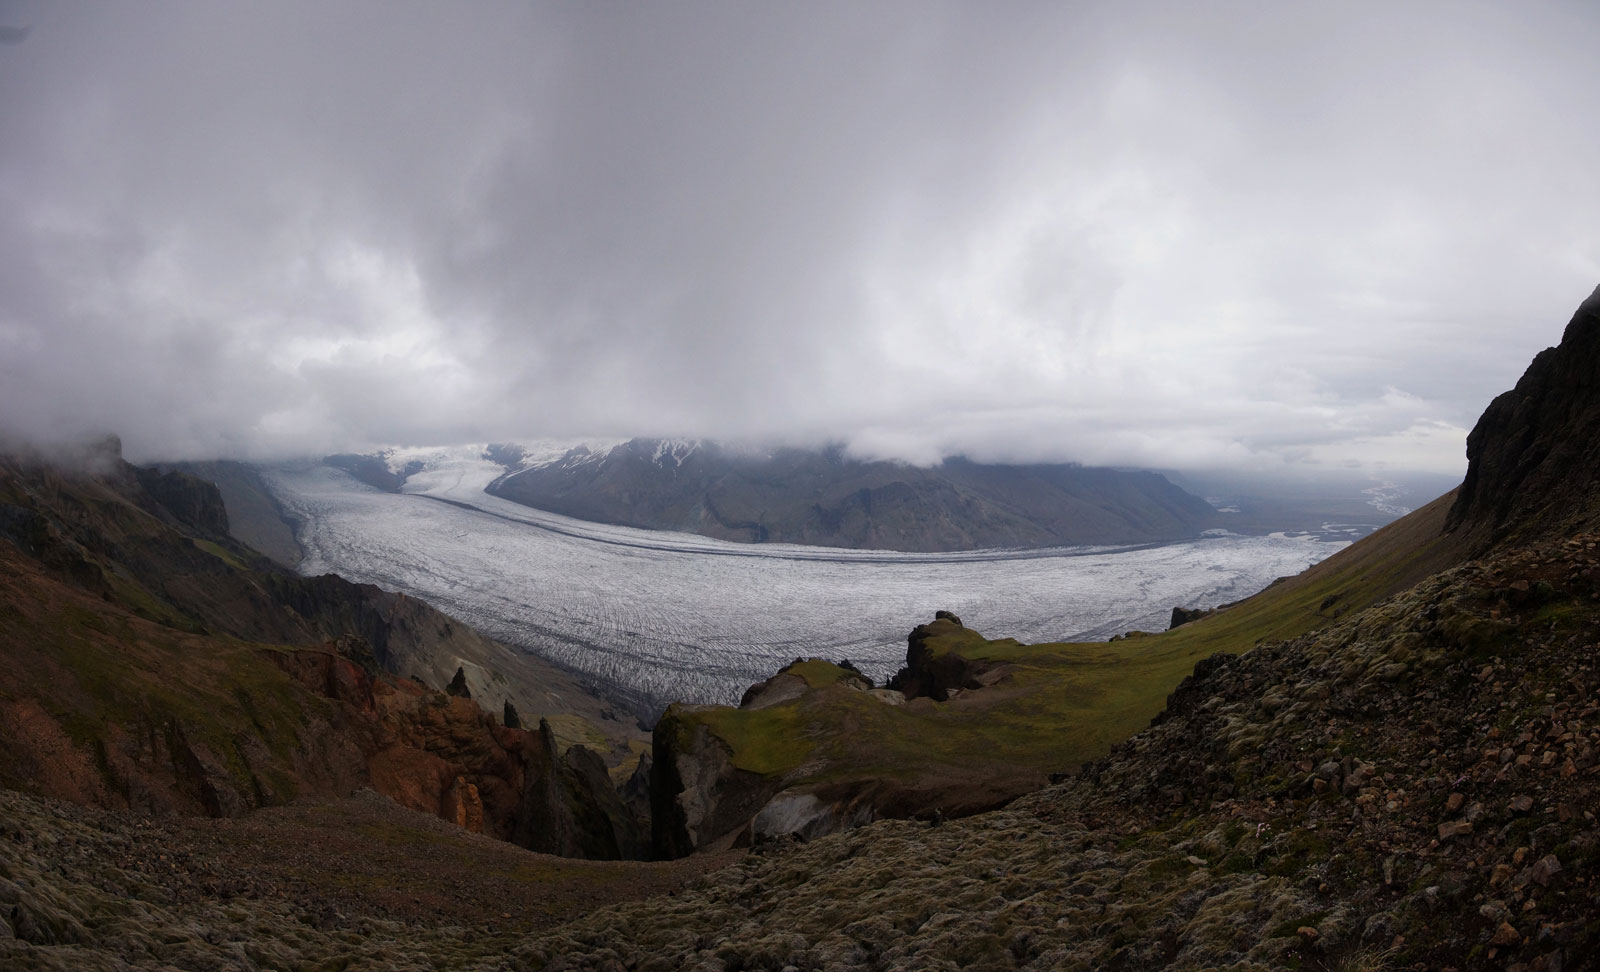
[[825, 498]]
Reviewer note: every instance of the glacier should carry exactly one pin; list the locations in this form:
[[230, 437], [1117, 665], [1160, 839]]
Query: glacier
[[653, 617]]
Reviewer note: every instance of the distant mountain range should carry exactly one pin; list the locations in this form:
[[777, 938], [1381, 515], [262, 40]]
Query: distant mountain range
[[825, 498]]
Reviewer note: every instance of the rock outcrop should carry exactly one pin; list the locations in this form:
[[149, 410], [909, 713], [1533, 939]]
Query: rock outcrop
[[699, 798], [797, 759], [936, 667], [1534, 457], [193, 502]]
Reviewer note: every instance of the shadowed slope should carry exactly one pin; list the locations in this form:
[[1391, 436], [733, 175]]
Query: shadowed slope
[[1534, 457]]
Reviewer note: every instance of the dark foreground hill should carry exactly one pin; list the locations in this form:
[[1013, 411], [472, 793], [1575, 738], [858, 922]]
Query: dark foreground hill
[[826, 499]]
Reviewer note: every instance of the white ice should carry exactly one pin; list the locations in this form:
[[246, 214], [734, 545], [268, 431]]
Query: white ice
[[668, 616]]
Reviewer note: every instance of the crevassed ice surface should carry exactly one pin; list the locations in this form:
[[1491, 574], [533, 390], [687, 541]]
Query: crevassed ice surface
[[667, 616]]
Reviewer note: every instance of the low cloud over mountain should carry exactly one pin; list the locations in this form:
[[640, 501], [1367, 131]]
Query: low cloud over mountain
[[1176, 237]]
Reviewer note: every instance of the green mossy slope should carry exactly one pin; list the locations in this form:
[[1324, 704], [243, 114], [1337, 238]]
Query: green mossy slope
[[1046, 708]]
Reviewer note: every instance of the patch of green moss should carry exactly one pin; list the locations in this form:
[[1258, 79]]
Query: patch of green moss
[[1291, 927], [217, 551], [764, 741], [1061, 704], [1294, 853], [1166, 868], [818, 673]]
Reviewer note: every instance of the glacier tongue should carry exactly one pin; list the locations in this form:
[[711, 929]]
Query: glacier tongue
[[664, 616]]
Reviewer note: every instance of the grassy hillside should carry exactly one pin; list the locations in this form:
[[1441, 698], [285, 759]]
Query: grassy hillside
[[102, 704], [1044, 708]]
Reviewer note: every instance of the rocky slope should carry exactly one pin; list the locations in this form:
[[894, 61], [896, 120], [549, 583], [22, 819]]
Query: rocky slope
[[823, 498], [158, 666], [356, 883], [1414, 786]]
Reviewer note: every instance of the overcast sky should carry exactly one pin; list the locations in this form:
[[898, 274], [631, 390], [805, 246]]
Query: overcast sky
[[1176, 235]]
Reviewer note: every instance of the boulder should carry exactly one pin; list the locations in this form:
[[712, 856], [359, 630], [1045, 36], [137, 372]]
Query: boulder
[[806, 814]]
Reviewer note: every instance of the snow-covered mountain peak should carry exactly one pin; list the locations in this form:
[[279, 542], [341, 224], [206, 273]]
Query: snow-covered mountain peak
[[672, 452]]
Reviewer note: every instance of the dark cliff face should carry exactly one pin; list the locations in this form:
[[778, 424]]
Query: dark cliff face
[[1534, 457], [824, 498], [255, 517], [193, 502]]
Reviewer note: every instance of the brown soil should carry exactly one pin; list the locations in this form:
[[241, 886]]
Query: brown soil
[[369, 857]]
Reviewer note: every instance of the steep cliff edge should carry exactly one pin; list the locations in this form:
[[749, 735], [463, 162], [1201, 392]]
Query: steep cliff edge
[[1534, 457]]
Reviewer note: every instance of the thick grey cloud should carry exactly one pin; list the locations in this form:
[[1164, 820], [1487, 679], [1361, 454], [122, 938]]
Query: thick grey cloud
[[1183, 235]]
